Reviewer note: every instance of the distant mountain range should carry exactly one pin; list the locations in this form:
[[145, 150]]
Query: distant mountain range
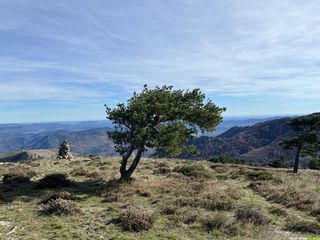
[[254, 140], [257, 144]]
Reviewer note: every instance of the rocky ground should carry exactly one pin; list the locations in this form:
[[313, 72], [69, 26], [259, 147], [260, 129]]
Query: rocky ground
[[167, 199]]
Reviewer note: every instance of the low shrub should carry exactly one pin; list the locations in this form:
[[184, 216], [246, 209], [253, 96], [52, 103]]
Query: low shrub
[[61, 207], [111, 190], [55, 180], [226, 159], [2, 198], [193, 170], [251, 215], [136, 219], [56, 195], [302, 225], [218, 201], [314, 164], [214, 220], [288, 196], [275, 210], [168, 209], [259, 176], [187, 215]]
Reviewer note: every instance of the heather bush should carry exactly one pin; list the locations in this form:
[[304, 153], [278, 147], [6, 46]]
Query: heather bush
[[136, 219], [251, 215], [214, 220], [56, 195], [61, 207]]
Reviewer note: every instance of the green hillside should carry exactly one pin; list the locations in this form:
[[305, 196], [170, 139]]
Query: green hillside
[[167, 199]]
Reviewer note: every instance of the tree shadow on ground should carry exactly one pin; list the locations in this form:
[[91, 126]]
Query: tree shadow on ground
[[30, 191]]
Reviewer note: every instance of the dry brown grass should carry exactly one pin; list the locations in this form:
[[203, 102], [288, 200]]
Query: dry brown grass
[[214, 220], [247, 214], [302, 225], [288, 196], [276, 210]]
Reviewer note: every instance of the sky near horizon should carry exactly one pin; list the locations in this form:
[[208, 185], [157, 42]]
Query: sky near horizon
[[64, 59]]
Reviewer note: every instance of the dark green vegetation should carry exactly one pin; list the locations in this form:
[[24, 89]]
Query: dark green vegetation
[[167, 199], [162, 119], [307, 139], [257, 144]]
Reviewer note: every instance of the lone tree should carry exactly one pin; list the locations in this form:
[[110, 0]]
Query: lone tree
[[306, 140], [162, 119]]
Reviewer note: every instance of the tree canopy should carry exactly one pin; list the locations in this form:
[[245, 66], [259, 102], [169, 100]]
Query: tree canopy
[[162, 119], [307, 139]]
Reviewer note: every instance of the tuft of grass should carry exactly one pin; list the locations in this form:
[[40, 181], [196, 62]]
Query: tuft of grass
[[136, 219], [286, 195], [193, 170], [275, 210], [61, 207], [187, 215], [247, 214], [302, 225], [168, 209], [214, 220], [55, 180]]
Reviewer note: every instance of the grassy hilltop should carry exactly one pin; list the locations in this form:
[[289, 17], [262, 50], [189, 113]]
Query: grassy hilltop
[[167, 199]]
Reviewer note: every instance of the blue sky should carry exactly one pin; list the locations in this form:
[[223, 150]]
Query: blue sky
[[65, 59]]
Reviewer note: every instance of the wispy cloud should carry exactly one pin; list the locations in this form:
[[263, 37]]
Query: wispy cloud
[[98, 51]]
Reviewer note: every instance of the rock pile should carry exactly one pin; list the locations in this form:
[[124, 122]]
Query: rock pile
[[64, 151]]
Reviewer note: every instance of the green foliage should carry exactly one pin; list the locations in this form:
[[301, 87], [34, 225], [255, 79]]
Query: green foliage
[[307, 129], [282, 162], [226, 159], [260, 176], [192, 170], [162, 119], [314, 163], [307, 139]]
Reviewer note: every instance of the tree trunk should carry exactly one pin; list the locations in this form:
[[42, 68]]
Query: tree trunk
[[297, 157], [123, 165], [126, 174]]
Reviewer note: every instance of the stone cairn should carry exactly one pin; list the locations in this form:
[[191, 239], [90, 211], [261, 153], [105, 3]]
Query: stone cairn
[[64, 151]]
